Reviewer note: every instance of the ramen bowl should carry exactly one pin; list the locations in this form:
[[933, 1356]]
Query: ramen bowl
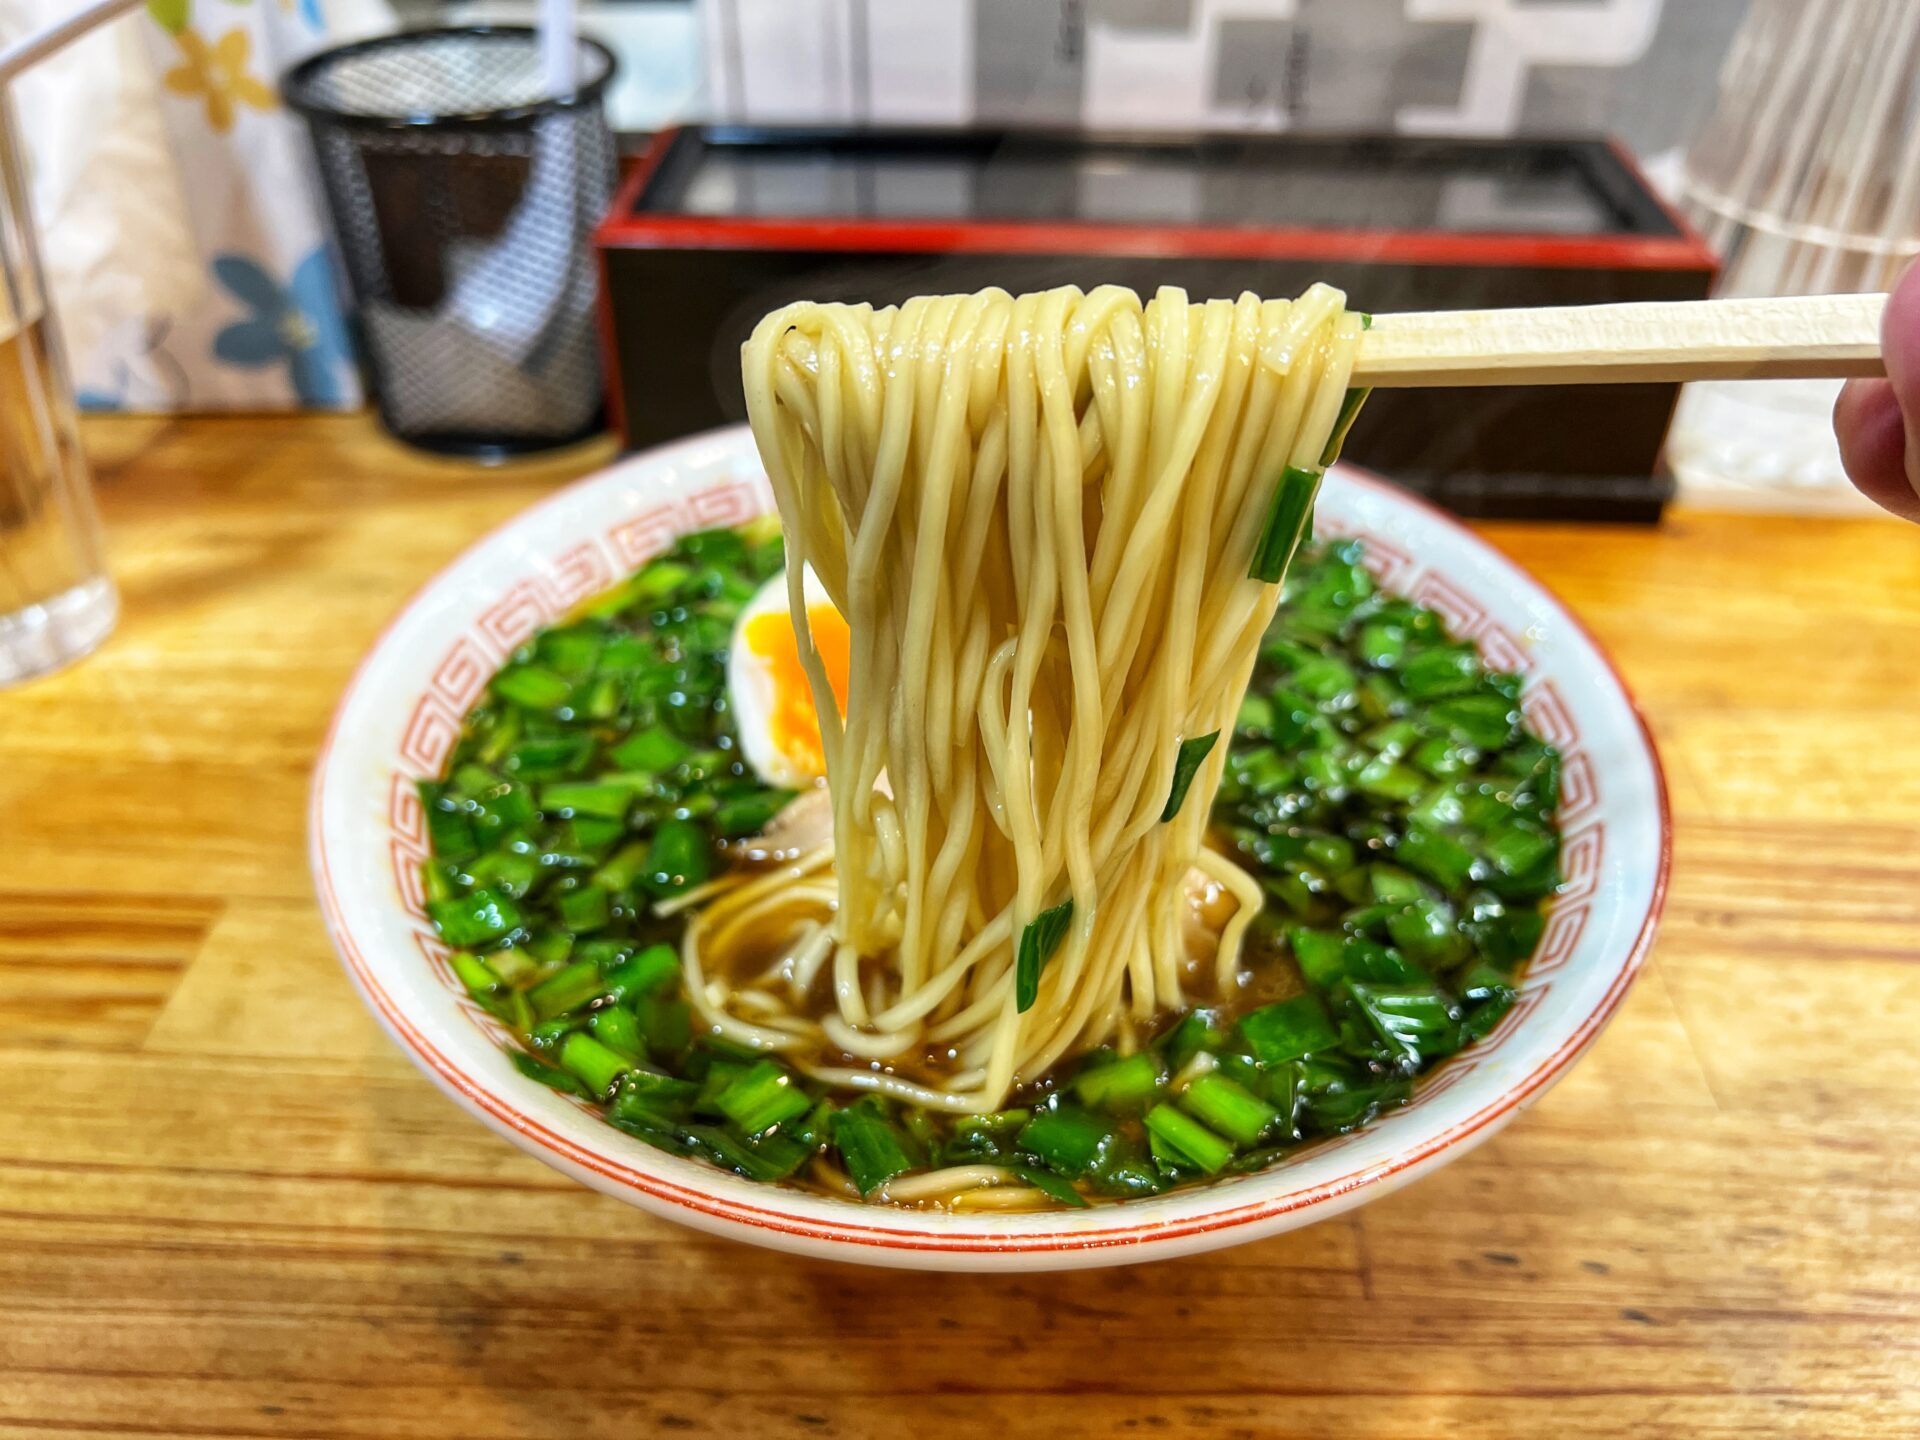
[[401, 716]]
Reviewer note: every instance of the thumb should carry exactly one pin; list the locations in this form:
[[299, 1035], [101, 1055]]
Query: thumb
[[1900, 346], [1878, 421]]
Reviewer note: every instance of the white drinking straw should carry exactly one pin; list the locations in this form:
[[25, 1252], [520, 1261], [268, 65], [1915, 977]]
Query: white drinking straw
[[32, 49], [559, 46]]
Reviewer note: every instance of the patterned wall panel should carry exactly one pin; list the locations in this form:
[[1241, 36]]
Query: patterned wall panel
[[1643, 69]]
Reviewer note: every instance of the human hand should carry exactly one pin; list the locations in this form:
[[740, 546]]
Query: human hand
[[1878, 421]]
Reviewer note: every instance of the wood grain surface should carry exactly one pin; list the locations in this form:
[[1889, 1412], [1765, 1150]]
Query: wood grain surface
[[228, 1207]]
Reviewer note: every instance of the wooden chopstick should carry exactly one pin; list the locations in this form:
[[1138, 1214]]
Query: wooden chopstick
[[1795, 337]]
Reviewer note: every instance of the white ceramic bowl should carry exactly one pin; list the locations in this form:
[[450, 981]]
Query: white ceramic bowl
[[402, 712]]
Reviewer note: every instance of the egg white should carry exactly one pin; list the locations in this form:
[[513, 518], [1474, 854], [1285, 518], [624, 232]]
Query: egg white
[[751, 687]]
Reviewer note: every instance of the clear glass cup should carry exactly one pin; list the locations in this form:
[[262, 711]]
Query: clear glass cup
[[1805, 179], [56, 602]]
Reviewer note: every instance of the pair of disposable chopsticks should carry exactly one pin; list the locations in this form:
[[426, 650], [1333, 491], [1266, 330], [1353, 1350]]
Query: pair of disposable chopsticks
[[1796, 337]]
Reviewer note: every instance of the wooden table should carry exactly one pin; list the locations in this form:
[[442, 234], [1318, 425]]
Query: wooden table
[[229, 1207]]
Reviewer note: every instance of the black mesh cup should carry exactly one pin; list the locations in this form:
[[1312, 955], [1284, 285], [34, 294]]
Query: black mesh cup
[[462, 196]]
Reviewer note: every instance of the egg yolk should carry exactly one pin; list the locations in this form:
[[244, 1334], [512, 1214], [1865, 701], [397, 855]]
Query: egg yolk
[[795, 725]]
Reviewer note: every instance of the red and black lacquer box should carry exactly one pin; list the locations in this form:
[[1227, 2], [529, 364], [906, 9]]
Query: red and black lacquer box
[[716, 226]]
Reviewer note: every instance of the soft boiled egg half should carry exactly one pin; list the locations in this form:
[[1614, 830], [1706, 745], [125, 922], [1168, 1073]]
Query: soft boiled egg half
[[767, 686]]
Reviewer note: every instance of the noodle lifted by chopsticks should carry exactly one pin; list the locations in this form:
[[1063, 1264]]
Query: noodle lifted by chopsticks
[[1038, 515]]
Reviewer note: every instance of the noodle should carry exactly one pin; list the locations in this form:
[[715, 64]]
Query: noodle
[[1038, 516], [944, 1184]]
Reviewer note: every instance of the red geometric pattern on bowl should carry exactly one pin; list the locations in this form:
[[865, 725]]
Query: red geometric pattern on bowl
[[511, 620], [405, 813], [439, 957], [1389, 565], [638, 540], [463, 673], [582, 571], [1530, 999], [1579, 787], [432, 729], [1558, 940], [1548, 717], [413, 890]]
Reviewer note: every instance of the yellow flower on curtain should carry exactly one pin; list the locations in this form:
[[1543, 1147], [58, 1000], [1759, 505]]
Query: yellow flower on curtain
[[218, 73]]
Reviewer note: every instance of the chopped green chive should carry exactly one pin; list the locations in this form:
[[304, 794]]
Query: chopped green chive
[[566, 990], [653, 750], [1482, 721], [1440, 858], [570, 650], [1377, 964], [1235, 1112], [1185, 766], [1286, 522], [1424, 930], [677, 859], [550, 759], [550, 947], [1338, 1111], [749, 814], [1195, 1033], [1389, 780], [607, 799], [1189, 1139], [767, 1157], [1350, 405], [763, 1096], [551, 1076], [474, 918], [1288, 1029], [1483, 1015], [1415, 1024], [1067, 1139], [593, 833], [475, 974], [647, 973], [645, 1091], [1055, 1187], [1120, 1086], [616, 1028], [1321, 955], [451, 834], [666, 1024], [1038, 941], [588, 908], [624, 867], [1515, 850], [592, 1063], [532, 687], [1445, 670], [869, 1146]]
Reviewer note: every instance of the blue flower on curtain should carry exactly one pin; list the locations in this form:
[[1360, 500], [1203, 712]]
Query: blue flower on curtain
[[310, 12], [298, 326]]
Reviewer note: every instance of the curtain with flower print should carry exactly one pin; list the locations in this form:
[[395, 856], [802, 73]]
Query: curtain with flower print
[[184, 233]]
